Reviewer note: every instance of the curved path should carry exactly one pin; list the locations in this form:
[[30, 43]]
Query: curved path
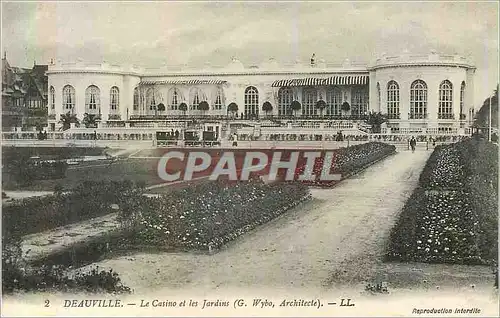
[[337, 238]]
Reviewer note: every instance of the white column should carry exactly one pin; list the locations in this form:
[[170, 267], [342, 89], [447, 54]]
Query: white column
[[432, 100], [404, 99], [79, 101], [373, 94], [456, 99], [105, 90]]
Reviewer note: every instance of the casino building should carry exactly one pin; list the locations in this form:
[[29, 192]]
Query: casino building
[[420, 94]]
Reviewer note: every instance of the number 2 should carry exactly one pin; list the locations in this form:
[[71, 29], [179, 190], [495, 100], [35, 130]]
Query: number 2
[[47, 302]]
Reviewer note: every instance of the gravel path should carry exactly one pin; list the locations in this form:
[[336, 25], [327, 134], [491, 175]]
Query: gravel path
[[338, 238]]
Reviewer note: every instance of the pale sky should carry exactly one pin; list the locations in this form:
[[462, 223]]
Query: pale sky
[[153, 34]]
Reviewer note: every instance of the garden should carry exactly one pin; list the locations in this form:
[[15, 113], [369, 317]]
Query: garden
[[452, 216], [203, 216], [87, 200]]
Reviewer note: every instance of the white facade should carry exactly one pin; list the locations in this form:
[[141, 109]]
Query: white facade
[[364, 87]]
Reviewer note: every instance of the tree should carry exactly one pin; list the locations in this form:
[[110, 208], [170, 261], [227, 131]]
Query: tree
[[68, 119], [89, 120], [267, 107], [482, 116], [376, 120], [203, 106], [233, 108], [345, 107], [183, 107], [161, 107], [295, 106], [320, 105]]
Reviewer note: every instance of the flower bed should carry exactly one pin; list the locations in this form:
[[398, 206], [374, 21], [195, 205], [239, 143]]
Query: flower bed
[[348, 161], [452, 216], [88, 200], [444, 169], [209, 215]]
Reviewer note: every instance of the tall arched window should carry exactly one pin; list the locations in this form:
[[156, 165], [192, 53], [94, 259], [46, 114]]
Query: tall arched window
[[153, 98], [251, 101], [393, 100], [92, 99], [285, 98], [333, 101], [418, 100], [68, 97], [174, 99], [378, 95], [136, 98], [309, 98], [52, 98], [462, 97], [114, 98], [195, 97], [359, 102], [219, 100], [445, 107]]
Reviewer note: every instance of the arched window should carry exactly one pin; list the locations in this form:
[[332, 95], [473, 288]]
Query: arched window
[[251, 101], [378, 95], [52, 98], [285, 98], [445, 107], [462, 97], [393, 100], [219, 100], [174, 99], [153, 98], [309, 98], [195, 97], [418, 100], [136, 98], [68, 97], [359, 102], [92, 99], [333, 101], [114, 97]]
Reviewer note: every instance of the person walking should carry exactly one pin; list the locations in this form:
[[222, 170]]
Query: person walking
[[235, 140], [413, 143]]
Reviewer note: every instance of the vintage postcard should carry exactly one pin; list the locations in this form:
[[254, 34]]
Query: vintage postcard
[[236, 159]]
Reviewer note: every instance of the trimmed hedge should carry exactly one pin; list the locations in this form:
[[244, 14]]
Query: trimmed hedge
[[452, 216], [86, 201]]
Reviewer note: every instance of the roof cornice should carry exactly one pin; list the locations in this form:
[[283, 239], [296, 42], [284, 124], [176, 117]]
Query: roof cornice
[[420, 64]]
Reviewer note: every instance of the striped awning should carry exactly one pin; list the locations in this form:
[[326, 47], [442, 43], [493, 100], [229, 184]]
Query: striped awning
[[334, 80], [185, 82], [347, 80]]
